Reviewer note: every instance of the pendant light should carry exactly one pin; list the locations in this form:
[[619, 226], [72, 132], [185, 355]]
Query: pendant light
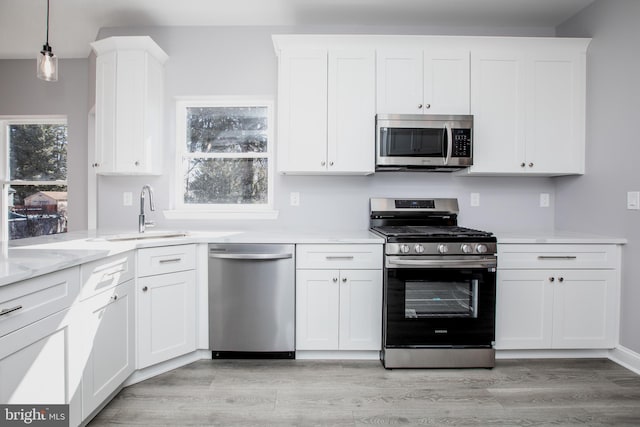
[[47, 61]]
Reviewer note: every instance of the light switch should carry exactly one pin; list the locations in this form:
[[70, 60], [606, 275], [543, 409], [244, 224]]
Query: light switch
[[127, 198], [294, 198], [544, 200], [633, 200]]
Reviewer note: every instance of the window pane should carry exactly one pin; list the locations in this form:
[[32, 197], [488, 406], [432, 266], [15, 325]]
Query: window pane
[[226, 181], [37, 210], [38, 152], [227, 129]]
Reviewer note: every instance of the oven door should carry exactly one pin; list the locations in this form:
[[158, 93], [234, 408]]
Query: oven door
[[439, 303]]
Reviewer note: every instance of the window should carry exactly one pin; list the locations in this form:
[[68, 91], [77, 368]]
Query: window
[[34, 176], [225, 160]]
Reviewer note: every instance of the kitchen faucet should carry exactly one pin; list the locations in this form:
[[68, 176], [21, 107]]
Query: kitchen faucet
[[142, 223]]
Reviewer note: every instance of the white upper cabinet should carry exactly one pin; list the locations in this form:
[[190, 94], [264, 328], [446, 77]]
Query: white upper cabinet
[[129, 106], [528, 104], [326, 109], [414, 81]]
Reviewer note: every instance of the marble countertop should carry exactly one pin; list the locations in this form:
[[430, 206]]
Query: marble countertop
[[33, 257], [557, 237]]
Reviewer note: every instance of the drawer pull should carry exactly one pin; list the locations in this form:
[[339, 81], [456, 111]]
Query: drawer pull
[[166, 261], [10, 310], [336, 257], [557, 257]]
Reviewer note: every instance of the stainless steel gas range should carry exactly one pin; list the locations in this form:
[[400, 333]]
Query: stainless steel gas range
[[439, 285]]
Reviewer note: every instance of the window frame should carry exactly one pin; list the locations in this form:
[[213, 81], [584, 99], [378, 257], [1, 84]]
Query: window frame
[[221, 211], [5, 167]]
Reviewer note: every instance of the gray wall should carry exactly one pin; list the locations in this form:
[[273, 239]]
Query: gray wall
[[241, 61], [21, 93], [597, 201]]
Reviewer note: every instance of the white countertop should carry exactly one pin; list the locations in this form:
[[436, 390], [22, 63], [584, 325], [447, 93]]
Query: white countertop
[[32, 257], [557, 237]]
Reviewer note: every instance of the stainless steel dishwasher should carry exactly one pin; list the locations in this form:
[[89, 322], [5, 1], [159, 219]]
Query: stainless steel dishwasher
[[252, 301]]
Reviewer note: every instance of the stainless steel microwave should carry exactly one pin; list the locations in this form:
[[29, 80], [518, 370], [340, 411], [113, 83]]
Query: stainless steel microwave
[[415, 142]]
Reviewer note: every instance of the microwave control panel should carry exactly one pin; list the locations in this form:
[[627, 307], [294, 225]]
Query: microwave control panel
[[461, 143]]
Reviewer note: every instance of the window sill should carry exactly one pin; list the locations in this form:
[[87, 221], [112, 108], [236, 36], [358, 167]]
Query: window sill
[[195, 214]]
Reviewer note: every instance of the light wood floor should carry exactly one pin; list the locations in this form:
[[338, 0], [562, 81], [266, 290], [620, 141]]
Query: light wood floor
[[594, 392]]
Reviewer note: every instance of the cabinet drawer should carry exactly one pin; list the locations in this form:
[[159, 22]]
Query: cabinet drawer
[[363, 256], [30, 300], [166, 259], [550, 256], [106, 273]]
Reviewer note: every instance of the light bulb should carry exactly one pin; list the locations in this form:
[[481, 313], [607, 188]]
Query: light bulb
[[47, 65]]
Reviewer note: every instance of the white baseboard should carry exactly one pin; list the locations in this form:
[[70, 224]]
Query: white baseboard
[[626, 357], [161, 368], [552, 354]]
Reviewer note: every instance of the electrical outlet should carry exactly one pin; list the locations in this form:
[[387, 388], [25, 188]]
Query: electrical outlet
[[127, 198], [633, 200], [294, 198], [544, 200], [474, 200]]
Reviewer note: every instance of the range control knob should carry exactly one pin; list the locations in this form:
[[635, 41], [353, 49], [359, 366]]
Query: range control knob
[[466, 249], [443, 249], [481, 249], [404, 249], [419, 248]]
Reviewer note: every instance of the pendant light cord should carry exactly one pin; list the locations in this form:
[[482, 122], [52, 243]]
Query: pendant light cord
[[47, 42]]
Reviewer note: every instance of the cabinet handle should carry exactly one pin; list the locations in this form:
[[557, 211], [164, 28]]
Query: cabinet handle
[[530, 165], [427, 106], [552, 279], [335, 279], [344, 280], [330, 163], [10, 310], [557, 257], [95, 165], [145, 289], [166, 261], [560, 279], [419, 106], [114, 297], [337, 257], [522, 164], [137, 163], [322, 163]]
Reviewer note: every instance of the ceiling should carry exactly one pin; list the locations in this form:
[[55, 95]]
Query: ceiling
[[75, 23]]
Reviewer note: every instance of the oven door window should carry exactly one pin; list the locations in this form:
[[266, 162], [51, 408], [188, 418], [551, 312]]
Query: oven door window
[[425, 299], [413, 142]]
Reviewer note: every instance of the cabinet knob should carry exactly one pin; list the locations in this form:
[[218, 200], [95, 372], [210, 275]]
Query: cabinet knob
[[522, 164], [344, 280], [330, 163], [530, 165], [560, 279], [95, 165], [335, 279], [419, 106], [552, 279], [427, 106], [114, 297], [137, 163], [145, 289], [322, 163]]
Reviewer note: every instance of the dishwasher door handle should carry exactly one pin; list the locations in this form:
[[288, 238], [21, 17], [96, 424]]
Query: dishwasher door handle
[[245, 256]]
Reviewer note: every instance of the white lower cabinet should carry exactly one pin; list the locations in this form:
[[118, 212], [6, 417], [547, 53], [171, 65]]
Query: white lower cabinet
[[339, 308], [564, 307], [166, 312], [108, 322]]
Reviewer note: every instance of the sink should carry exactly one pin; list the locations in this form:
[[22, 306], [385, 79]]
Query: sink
[[146, 235]]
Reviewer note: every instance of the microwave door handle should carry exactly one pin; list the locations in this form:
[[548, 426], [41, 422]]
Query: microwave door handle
[[449, 142]]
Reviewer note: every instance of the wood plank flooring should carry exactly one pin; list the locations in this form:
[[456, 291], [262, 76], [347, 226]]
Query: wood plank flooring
[[567, 392]]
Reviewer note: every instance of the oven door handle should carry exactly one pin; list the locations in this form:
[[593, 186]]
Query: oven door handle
[[435, 263]]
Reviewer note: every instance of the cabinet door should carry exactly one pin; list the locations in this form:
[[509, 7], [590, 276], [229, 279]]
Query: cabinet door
[[585, 309], [317, 309], [555, 113], [166, 317], [498, 106], [446, 82], [302, 111], [351, 111], [108, 322], [34, 363], [524, 309], [399, 81], [106, 66], [360, 310]]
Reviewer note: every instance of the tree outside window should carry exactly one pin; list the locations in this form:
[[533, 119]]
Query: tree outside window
[[225, 148], [35, 176]]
